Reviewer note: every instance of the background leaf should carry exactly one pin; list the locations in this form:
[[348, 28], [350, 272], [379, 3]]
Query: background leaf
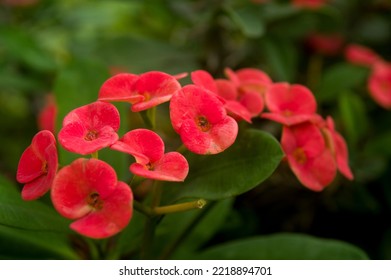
[[249, 161], [284, 246]]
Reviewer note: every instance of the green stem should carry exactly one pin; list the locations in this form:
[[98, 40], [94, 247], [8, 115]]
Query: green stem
[[95, 155], [181, 207], [170, 249], [182, 149], [149, 118]]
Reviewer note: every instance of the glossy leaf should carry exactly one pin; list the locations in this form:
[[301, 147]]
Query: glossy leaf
[[285, 246], [248, 162]]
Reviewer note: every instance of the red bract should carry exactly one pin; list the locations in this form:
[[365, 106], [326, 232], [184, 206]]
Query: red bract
[[326, 44], [312, 4], [88, 190], [307, 155], [38, 166], [289, 104], [225, 90], [361, 55], [379, 84], [90, 128], [47, 116], [144, 91], [201, 120], [151, 162]]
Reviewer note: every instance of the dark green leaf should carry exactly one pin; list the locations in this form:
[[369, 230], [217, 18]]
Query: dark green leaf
[[284, 247], [251, 160], [248, 20]]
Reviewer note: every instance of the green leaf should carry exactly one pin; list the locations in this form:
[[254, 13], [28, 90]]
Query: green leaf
[[248, 20], [22, 46], [354, 117], [339, 78], [251, 160], [284, 246], [31, 215]]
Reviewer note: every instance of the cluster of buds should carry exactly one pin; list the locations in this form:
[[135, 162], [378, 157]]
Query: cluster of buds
[[205, 114]]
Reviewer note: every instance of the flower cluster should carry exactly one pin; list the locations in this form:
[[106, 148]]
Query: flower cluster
[[379, 82], [205, 114]]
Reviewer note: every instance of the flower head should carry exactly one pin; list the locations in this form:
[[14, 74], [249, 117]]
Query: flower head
[[201, 120], [289, 104], [379, 84], [38, 166], [309, 158], [88, 190], [361, 55], [326, 44], [151, 162], [90, 128], [143, 91]]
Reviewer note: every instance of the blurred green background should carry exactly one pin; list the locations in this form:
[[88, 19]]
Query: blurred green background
[[70, 47]]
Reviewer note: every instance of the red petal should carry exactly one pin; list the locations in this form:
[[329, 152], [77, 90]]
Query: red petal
[[246, 75], [156, 87], [237, 110], [119, 88], [253, 101], [203, 79], [171, 167], [112, 218], [76, 182]]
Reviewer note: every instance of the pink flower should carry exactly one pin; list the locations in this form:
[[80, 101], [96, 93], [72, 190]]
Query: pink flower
[[38, 166], [308, 156], [311, 4], [201, 120], [90, 128], [361, 55], [88, 190], [47, 116], [379, 84], [289, 104], [144, 91], [151, 162], [225, 90]]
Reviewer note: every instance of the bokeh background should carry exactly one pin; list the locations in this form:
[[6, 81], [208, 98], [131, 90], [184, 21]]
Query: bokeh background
[[68, 48]]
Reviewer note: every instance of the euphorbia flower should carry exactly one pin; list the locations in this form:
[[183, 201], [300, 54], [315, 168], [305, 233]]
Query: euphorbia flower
[[201, 120], [379, 84], [289, 104], [38, 166], [47, 116], [151, 162], [361, 55], [88, 190], [337, 145], [225, 90], [144, 91], [90, 128], [326, 44], [309, 158]]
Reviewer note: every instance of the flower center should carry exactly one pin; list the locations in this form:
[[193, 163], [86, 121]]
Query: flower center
[[149, 166], [300, 156], [203, 124], [45, 167], [91, 135], [94, 201], [287, 113]]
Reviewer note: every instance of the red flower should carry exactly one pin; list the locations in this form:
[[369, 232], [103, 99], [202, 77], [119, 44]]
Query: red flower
[[311, 4], [225, 90], [379, 84], [144, 91], [289, 104], [252, 84], [88, 190], [151, 162], [326, 44], [309, 158], [201, 120], [361, 55], [38, 166], [47, 116], [90, 128]]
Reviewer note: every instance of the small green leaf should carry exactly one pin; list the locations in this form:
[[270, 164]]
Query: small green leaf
[[248, 20], [29, 215], [284, 246], [339, 78], [251, 160]]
